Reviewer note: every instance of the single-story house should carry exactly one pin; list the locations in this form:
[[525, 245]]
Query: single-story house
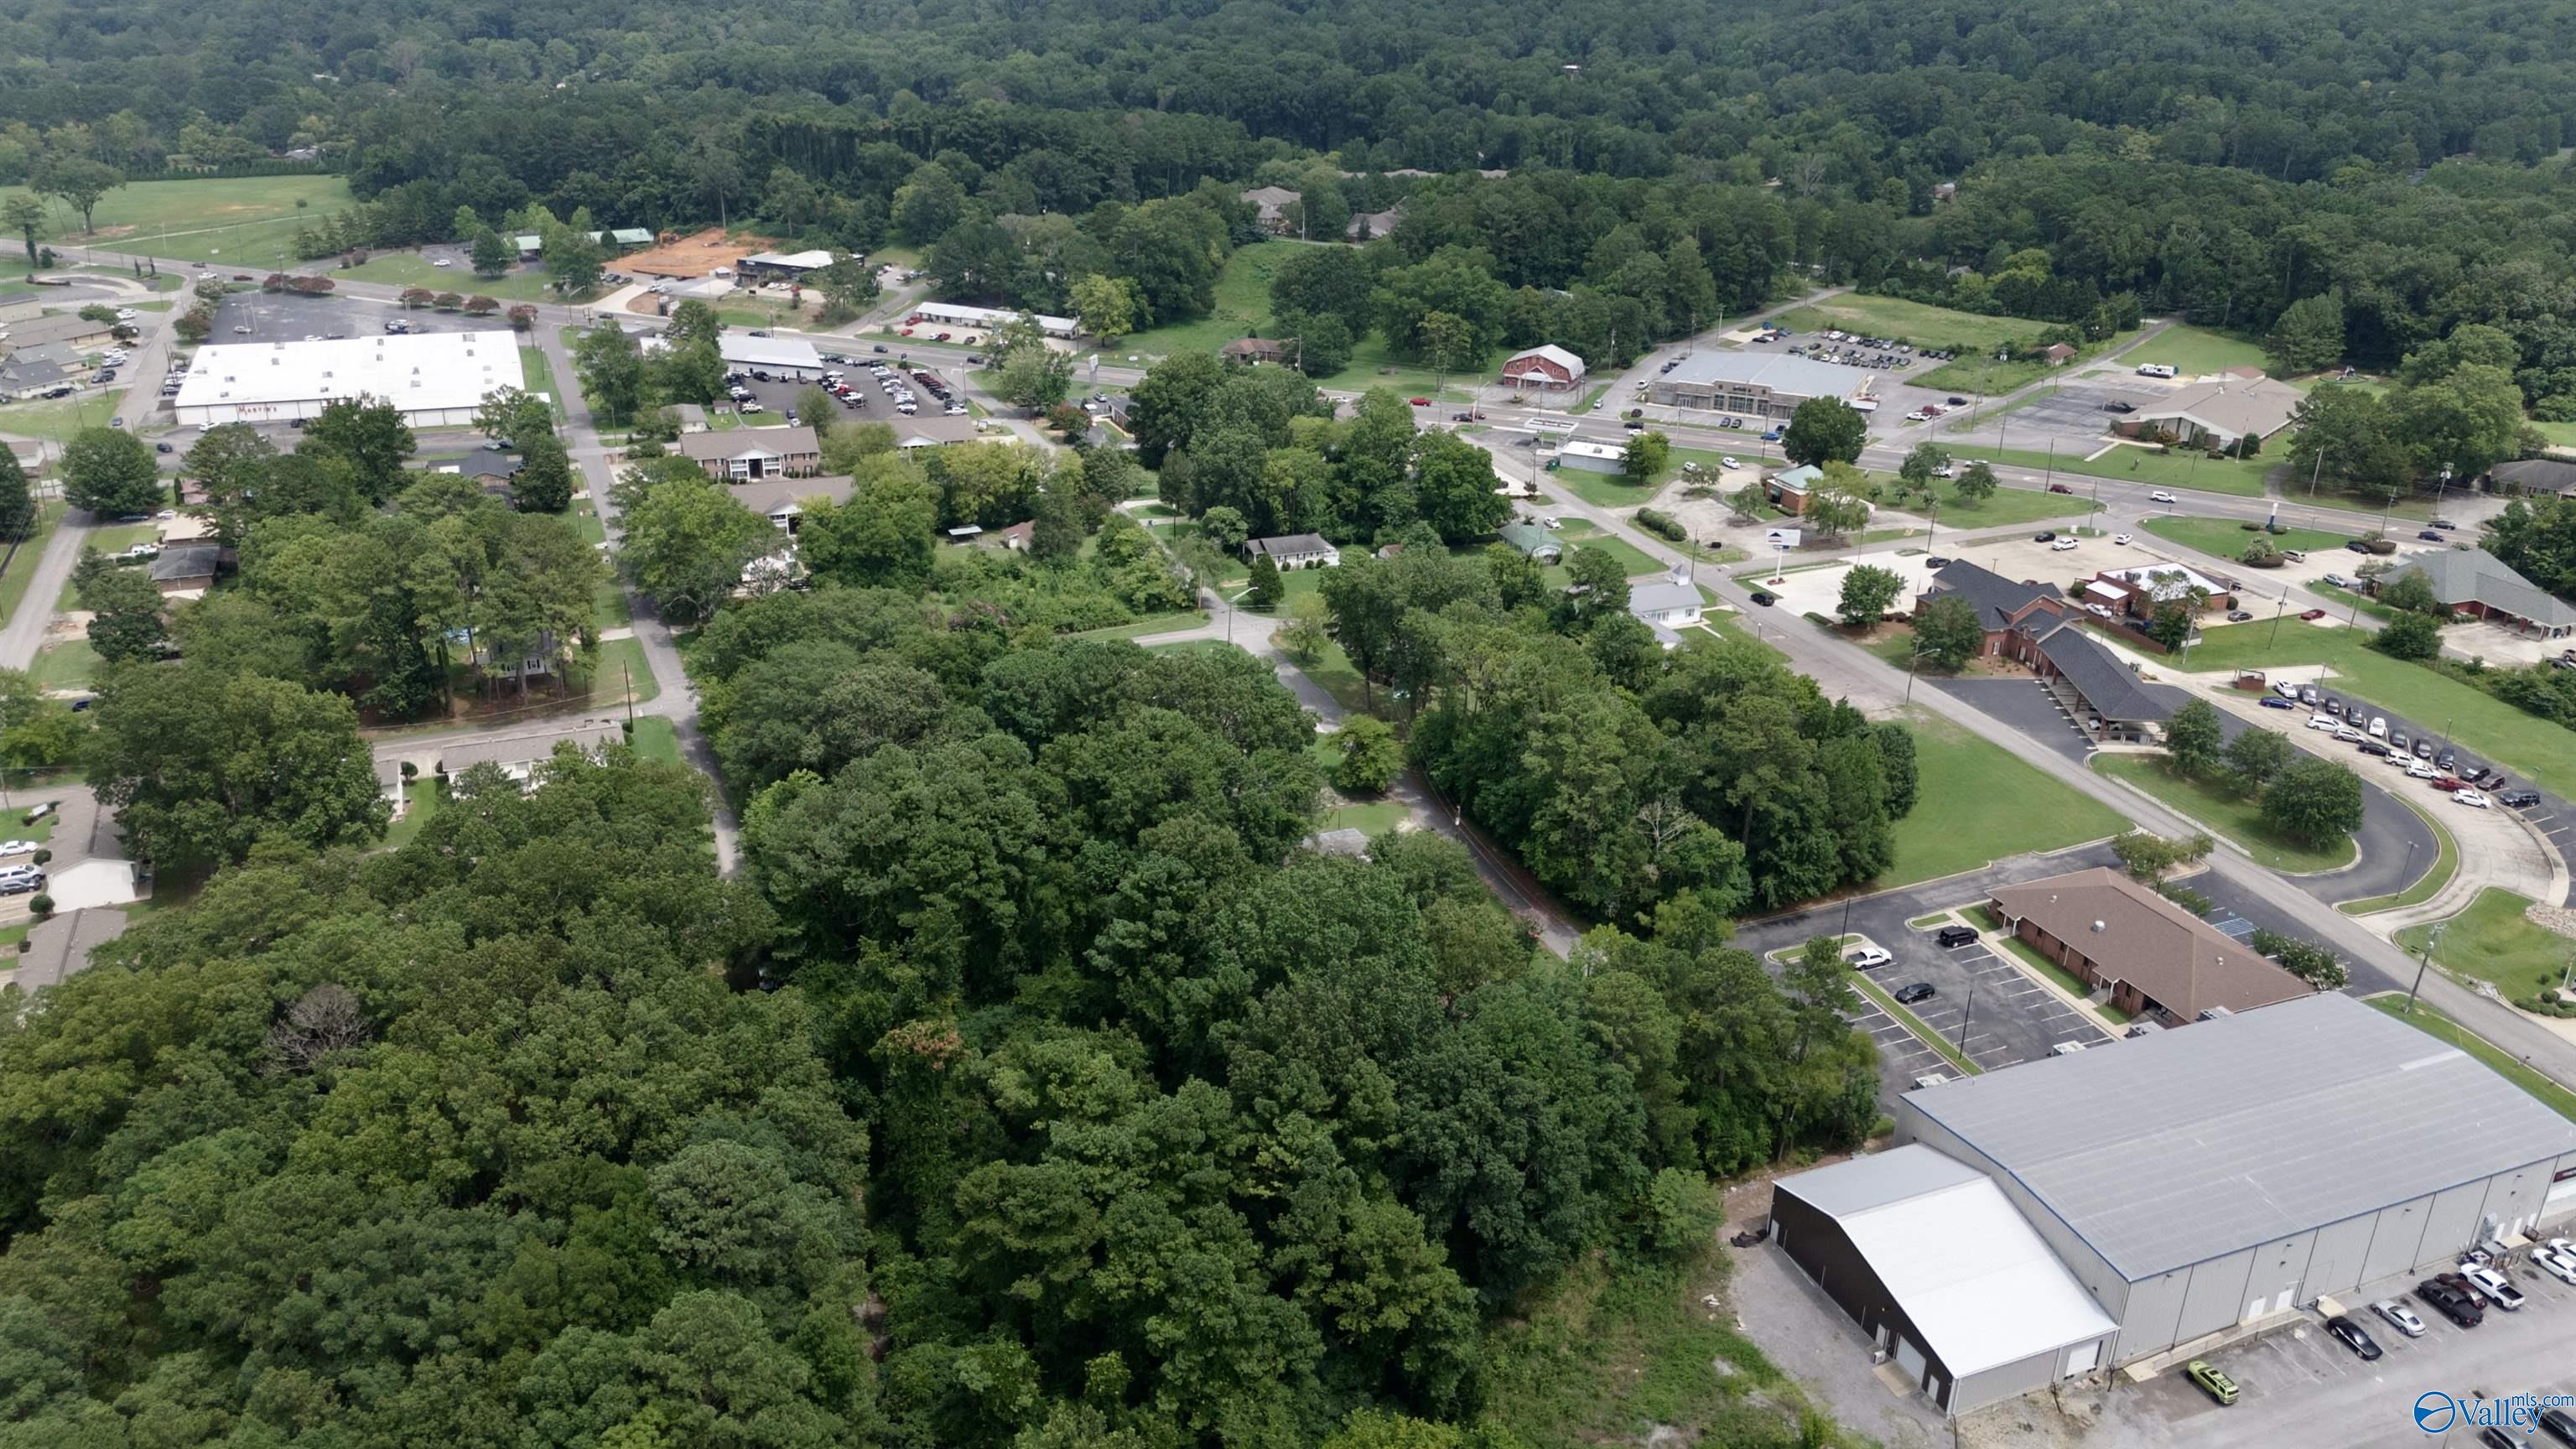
[[1271, 204], [24, 309], [1533, 541], [748, 453], [2157, 960], [2091, 684], [2058, 354], [1367, 224], [2534, 475], [1015, 538], [2010, 610], [940, 430], [35, 371], [2137, 592], [1587, 456], [1550, 367], [187, 568], [691, 417], [2219, 412], [1254, 349], [1666, 605], [2475, 582], [1294, 551], [29, 454], [782, 500], [69, 328], [530, 245]]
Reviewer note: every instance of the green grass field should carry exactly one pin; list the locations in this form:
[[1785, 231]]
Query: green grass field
[[2481, 724], [539, 375], [403, 269], [1632, 560], [2491, 941], [2191, 351], [1171, 623], [2223, 538], [2005, 507], [2240, 476], [1374, 817], [657, 739], [1243, 310], [2434, 1024], [1919, 323], [244, 221], [2225, 812], [1976, 802], [422, 798], [68, 665], [1602, 490], [1982, 374], [619, 661], [22, 564], [57, 420], [2560, 435]]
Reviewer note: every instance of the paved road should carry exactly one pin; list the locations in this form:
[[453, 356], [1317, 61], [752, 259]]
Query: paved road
[[1845, 670]]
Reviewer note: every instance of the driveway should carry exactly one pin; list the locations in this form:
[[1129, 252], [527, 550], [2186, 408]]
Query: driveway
[[2026, 705]]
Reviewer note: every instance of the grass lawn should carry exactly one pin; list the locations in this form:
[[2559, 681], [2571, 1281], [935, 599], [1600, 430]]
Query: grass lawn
[[2446, 863], [57, 420], [608, 607], [2492, 942], [1736, 627], [423, 796], [1979, 374], [22, 564], [656, 739], [1209, 646], [2560, 435], [587, 522], [1151, 624], [540, 375], [2191, 351], [1937, 918], [1242, 303], [2480, 723], [2242, 477], [2225, 812], [246, 221], [1975, 802], [2005, 507], [1333, 672], [1920, 323], [2223, 538], [1604, 1351], [68, 665], [403, 269], [1375, 817], [1602, 490], [1632, 560], [2434, 1024], [619, 660]]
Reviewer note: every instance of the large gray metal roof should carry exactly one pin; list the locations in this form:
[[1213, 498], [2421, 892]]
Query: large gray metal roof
[[2190, 1144], [1777, 371]]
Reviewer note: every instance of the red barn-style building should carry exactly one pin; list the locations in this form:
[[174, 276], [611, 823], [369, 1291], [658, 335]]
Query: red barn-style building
[[1544, 367]]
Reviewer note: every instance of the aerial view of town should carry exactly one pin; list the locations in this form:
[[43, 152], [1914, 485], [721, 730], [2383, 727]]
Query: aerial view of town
[[1247, 727]]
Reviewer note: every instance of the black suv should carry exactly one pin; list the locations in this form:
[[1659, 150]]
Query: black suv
[[2520, 799], [1919, 991], [1955, 936]]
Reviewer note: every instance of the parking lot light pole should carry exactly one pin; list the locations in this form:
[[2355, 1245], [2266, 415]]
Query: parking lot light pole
[[2424, 964], [1967, 1014]]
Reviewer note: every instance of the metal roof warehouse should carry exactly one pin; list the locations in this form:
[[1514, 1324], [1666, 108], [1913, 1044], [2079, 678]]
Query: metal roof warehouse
[[432, 377]]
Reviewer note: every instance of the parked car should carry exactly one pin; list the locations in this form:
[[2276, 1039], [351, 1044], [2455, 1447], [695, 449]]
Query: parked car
[[2374, 749], [1951, 937], [2400, 1317], [2045, 535], [2472, 799], [2274, 701], [2444, 783], [1869, 958], [2559, 1424], [2556, 1264], [2350, 1334], [2122, 540], [2062, 545], [2213, 1383], [1919, 991], [2234, 616], [2355, 545], [2451, 1303], [1763, 599], [2491, 1285], [2520, 799]]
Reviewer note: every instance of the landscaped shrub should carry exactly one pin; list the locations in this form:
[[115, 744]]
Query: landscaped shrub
[[1663, 524]]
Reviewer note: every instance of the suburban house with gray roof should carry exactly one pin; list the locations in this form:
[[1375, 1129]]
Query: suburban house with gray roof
[[2475, 582], [783, 501], [2189, 1184], [1294, 550], [68, 328], [1668, 605], [2534, 475], [1533, 541], [35, 371]]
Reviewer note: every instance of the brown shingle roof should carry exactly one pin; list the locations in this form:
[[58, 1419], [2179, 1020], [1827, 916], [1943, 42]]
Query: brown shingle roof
[[2164, 951]]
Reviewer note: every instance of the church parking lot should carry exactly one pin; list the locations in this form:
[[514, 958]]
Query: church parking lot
[[1986, 1007]]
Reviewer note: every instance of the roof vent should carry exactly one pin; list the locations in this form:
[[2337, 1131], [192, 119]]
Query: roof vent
[[2099, 928]]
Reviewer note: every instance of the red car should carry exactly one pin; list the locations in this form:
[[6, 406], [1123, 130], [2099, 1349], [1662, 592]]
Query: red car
[[2059, 488], [1420, 402], [2447, 782], [2313, 614]]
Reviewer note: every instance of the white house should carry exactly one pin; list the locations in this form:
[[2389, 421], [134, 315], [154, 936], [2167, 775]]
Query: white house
[[1295, 551], [1591, 457], [1668, 604]]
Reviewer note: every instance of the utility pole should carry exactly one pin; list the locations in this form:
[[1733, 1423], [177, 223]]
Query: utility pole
[[2278, 610], [2422, 965], [628, 671]]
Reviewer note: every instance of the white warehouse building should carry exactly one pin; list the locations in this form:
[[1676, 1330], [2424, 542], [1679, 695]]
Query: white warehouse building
[[2189, 1183], [951, 314], [435, 378]]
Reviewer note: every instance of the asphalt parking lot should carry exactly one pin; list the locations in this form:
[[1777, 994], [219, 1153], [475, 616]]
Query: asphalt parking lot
[[2300, 1386], [2075, 417], [284, 317], [1986, 1007]]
